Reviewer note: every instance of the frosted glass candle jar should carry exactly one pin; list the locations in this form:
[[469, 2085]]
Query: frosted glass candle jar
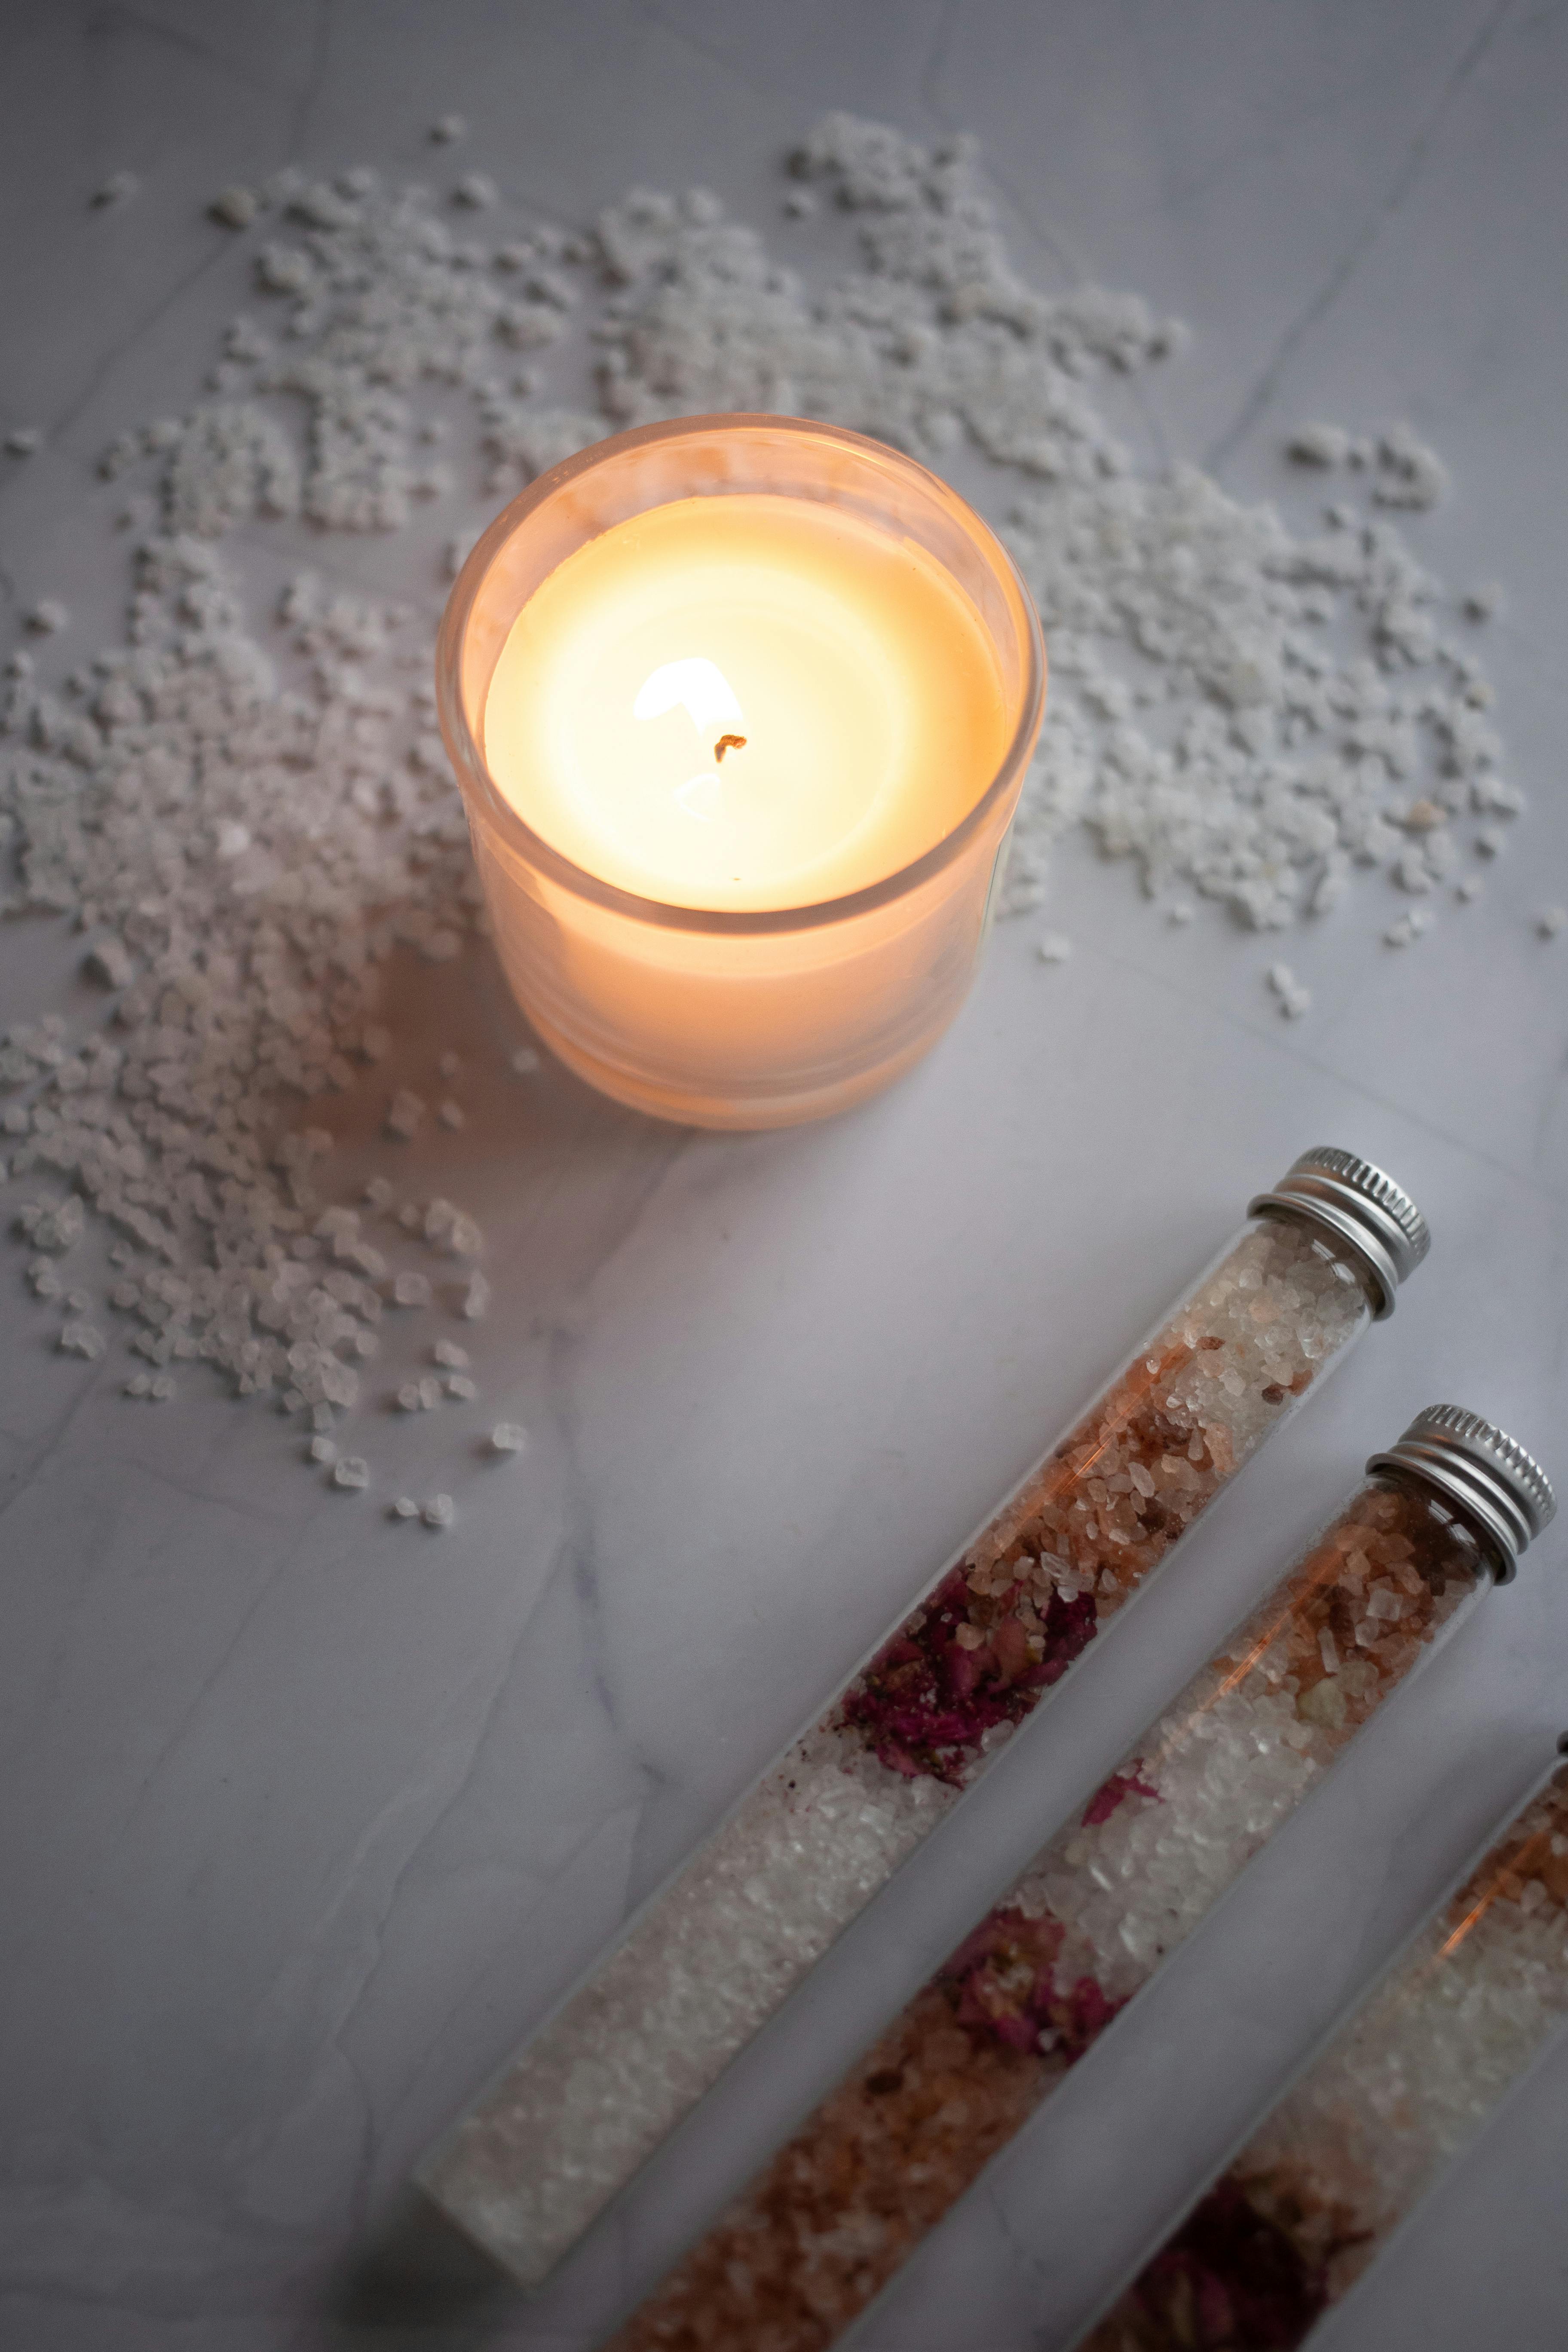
[[740, 707]]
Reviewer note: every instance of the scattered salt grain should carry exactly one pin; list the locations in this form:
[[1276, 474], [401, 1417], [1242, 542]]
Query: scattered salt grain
[[525, 1061], [1469, 889], [1551, 921], [109, 963], [450, 1063], [451, 1115], [509, 1437], [1294, 998], [1490, 842], [161, 1388], [476, 1298], [323, 1450], [405, 1507], [47, 616], [476, 191], [235, 207], [1054, 947], [1482, 603], [403, 1115], [118, 189], [447, 1352], [1409, 474], [1409, 927], [446, 128], [411, 1290], [23, 441], [460, 1386], [1319, 445], [79, 1338], [352, 1472], [439, 1511]]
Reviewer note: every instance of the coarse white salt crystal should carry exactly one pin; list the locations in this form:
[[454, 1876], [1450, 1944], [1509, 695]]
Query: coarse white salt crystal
[[460, 1386], [48, 615], [323, 1449], [405, 1507], [1469, 889], [1319, 445], [525, 1061], [79, 1338], [23, 440], [439, 1511], [476, 1297], [235, 207], [379, 1194], [1054, 947], [1180, 911], [1490, 842], [450, 1063], [410, 1289], [446, 1352], [403, 1115], [118, 189], [447, 128], [409, 1397], [109, 963], [1551, 921], [161, 1388], [353, 1471], [509, 1437], [450, 1114], [477, 190], [138, 1384]]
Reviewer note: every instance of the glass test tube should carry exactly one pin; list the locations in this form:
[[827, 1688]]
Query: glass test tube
[[803, 2251], [714, 1954], [1295, 2220]]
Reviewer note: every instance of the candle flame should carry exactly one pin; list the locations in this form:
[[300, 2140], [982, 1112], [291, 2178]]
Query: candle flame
[[700, 686]]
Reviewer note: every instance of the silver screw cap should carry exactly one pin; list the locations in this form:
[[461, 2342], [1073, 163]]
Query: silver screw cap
[[1358, 1205], [1502, 1491]]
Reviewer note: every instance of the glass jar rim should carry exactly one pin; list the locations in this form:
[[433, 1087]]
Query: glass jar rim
[[474, 776]]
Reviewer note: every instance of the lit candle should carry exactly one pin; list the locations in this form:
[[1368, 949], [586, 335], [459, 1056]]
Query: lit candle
[[744, 702], [740, 708]]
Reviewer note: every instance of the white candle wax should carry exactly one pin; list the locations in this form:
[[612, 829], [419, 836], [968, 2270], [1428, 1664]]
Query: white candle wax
[[745, 702]]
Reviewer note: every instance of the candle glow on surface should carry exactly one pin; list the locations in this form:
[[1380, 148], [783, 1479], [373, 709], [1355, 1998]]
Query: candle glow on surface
[[745, 702]]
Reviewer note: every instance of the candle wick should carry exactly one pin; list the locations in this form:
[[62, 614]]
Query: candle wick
[[728, 743]]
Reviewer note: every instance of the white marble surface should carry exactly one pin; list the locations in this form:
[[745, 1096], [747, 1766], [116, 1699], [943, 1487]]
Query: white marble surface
[[303, 1822]]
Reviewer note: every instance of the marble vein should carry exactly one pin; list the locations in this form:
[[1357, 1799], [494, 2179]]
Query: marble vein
[[1320, 305]]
